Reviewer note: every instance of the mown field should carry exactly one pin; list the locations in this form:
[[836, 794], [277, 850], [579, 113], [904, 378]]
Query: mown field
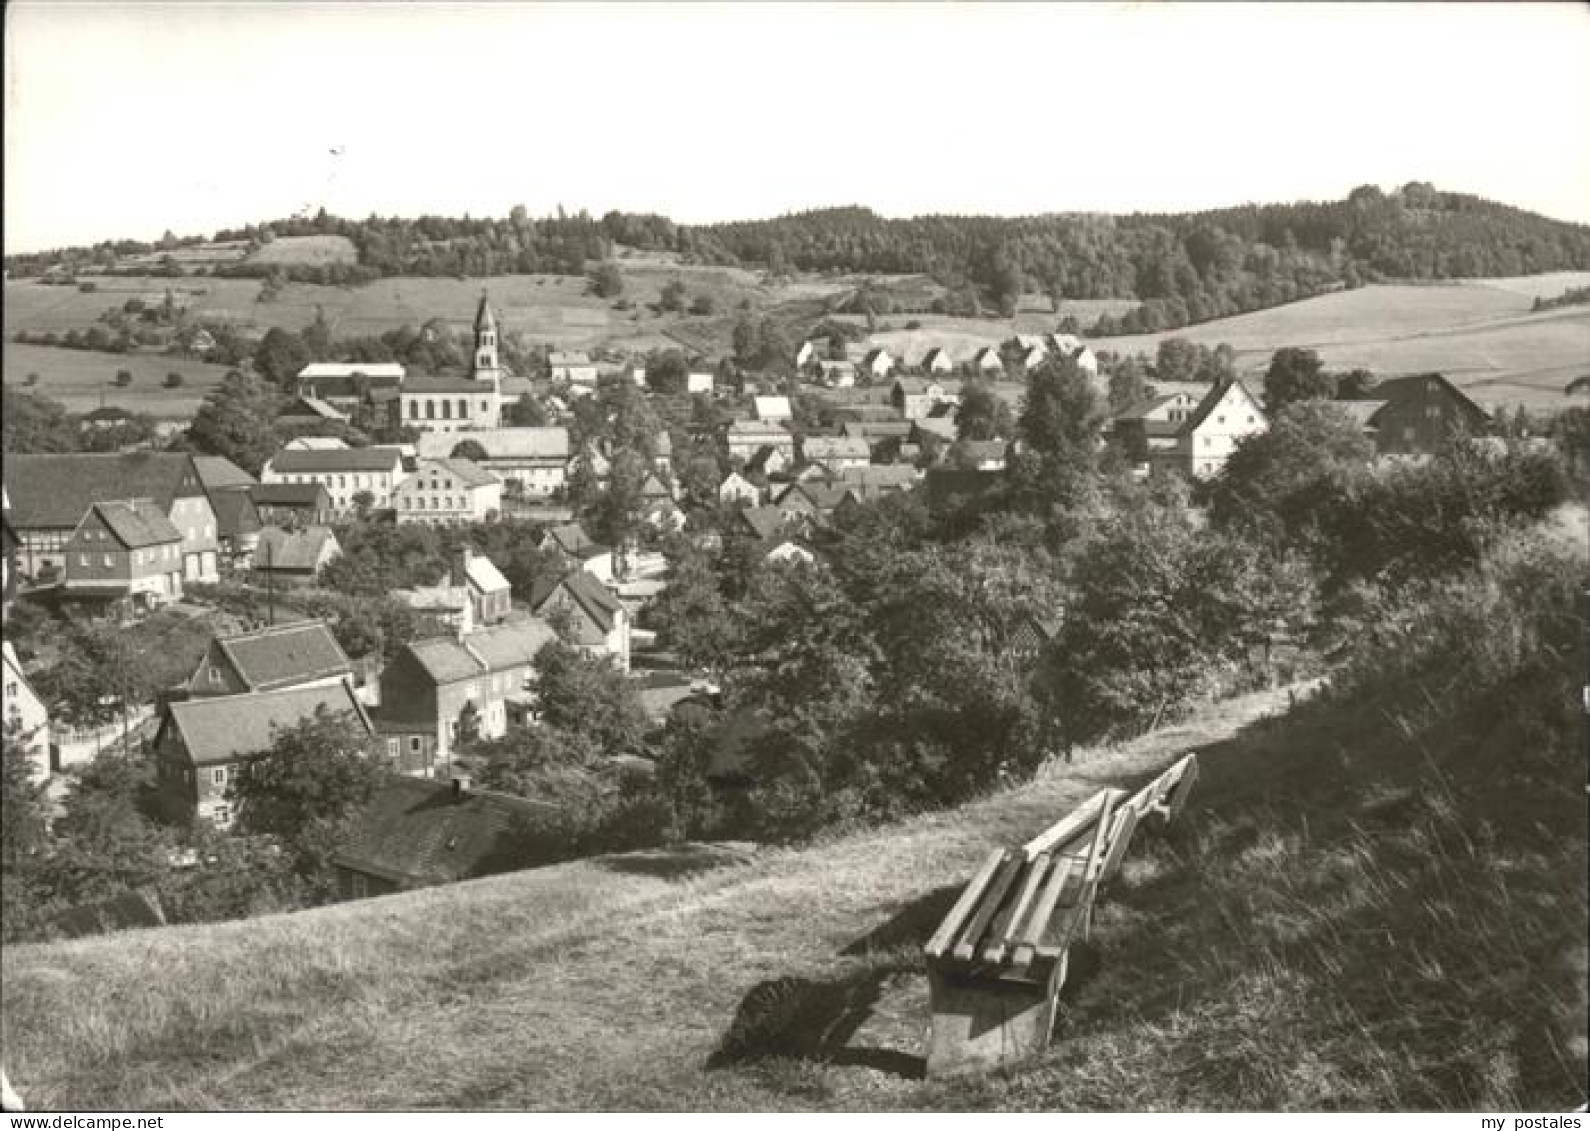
[[1479, 333], [83, 379]]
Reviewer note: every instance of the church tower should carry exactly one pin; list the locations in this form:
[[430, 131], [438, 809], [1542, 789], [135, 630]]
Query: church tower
[[486, 361]]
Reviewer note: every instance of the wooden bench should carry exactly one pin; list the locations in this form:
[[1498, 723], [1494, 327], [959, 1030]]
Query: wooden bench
[[998, 960]]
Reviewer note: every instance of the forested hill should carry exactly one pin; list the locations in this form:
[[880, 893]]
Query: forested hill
[[1186, 267]]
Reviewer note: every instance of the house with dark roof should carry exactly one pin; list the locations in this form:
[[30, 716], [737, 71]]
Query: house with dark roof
[[736, 488], [1147, 430], [125, 551], [291, 505], [348, 385], [304, 410], [344, 473], [768, 460], [217, 473], [811, 499], [1418, 415], [598, 622], [50, 494], [764, 522], [427, 686], [745, 438], [988, 363], [415, 833], [237, 527], [202, 744], [294, 557], [301, 654]]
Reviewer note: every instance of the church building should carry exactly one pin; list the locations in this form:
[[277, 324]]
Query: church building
[[459, 404]]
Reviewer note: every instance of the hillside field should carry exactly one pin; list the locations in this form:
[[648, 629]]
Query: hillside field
[[84, 379], [1286, 946]]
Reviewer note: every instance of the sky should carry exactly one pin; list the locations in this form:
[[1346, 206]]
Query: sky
[[125, 120]]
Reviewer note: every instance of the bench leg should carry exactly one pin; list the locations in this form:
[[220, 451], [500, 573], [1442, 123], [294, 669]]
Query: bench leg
[[981, 1022]]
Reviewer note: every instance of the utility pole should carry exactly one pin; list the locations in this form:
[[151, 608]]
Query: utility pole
[[270, 586]]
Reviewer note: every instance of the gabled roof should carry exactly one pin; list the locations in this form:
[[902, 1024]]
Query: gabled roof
[[568, 357], [822, 496], [346, 459], [444, 383], [136, 523], [315, 444], [941, 426], [764, 522], [510, 645], [593, 598], [773, 408], [1362, 413], [315, 407], [757, 429], [1216, 395], [55, 491], [1394, 389], [570, 537], [466, 471], [877, 429], [235, 513], [762, 457], [835, 447], [217, 473], [290, 495], [1141, 408], [292, 550], [377, 370], [652, 488], [226, 728], [500, 443], [445, 660], [416, 832], [484, 575], [880, 475], [984, 450], [283, 655], [933, 355]]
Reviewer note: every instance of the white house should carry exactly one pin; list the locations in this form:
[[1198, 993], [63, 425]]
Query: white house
[[25, 714], [571, 366], [343, 474], [537, 458], [836, 452], [700, 383], [878, 364], [774, 409], [1228, 414], [745, 437], [736, 488], [443, 491], [936, 360]]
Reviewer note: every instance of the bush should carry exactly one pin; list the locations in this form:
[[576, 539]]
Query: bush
[[88, 288], [124, 378], [173, 380]]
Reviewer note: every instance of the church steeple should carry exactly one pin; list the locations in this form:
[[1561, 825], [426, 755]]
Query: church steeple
[[486, 361]]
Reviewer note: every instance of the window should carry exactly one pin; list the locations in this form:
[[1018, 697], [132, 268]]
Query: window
[[430, 410], [215, 675], [1220, 420], [447, 410], [218, 775], [222, 814], [209, 530], [463, 408], [391, 748], [82, 560], [361, 886]]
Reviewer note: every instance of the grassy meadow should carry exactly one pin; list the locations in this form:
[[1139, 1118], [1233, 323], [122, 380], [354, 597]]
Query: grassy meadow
[[1374, 900], [84, 379]]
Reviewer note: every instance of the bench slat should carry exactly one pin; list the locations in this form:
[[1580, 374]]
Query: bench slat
[[987, 906], [1125, 826], [1183, 788], [1032, 930], [1068, 828], [1007, 924], [950, 927]]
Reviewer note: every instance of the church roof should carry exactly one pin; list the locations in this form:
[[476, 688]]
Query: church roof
[[484, 318]]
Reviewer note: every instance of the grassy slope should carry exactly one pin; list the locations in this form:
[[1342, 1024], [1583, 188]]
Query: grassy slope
[[83, 379], [1316, 935]]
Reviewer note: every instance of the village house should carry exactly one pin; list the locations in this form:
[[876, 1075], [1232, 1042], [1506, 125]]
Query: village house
[[983, 455], [237, 520], [878, 364], [764, 523], [444, 609], [202, 744], [736, 489], [304, 410], [662, 453], [698, 382], [1146, 432], [50, 494], [316, 444], [428, 684], [600, 467], [579, 550], [344, 474], [300, 654], [27, 719], [347, 385], [1228, 414], [291, 505], [773, 409], [987, 363], [441, 492], [571, 367], [808, 352], [415, 833], [768, 461], [490, 595], [877, 479], [125, 551], [916, 397], [836, 374], [598, 622], [936, 362], [294, 557], [810, 500], [1417, 416], [745, 437], [836, 452]]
